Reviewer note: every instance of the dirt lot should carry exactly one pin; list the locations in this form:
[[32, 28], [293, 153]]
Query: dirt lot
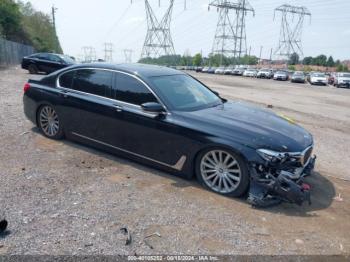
[[64, 198]]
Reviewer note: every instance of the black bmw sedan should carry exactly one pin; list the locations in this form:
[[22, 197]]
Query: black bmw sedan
[[165, 118]]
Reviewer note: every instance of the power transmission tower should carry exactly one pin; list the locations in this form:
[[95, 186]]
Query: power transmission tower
[[128, 55], [89, 54], [291, 30], [158, 39], [108, 52], [230, 37]]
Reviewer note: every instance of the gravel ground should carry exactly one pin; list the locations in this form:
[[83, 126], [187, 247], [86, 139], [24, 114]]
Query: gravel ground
[[63, 198]]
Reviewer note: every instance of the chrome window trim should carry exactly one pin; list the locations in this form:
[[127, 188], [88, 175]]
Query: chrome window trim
[[114, 100], [178, 166]]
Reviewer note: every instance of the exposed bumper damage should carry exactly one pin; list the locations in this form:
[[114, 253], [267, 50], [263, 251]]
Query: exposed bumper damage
[[281, 180]]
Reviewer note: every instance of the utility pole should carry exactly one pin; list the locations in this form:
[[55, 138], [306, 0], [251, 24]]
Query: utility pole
[[128, 55], [230, 37], [54, 10], [271, 56], [261, 48], [291, 30], [108, 50]]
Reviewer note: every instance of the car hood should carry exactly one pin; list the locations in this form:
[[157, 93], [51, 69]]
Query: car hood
[[316, 78], [250, 125]]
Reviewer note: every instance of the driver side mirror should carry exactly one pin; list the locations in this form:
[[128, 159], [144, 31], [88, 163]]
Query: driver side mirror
[[152, 107]]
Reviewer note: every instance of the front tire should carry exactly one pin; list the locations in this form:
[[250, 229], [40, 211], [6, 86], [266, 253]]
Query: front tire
[[222, 171], [49, 122]]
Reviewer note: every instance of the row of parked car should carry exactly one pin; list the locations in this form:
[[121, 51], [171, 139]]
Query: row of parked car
[[341, 79]]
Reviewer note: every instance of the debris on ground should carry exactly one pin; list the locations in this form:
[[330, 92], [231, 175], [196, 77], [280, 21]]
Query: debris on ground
[[299, 241], [149, 236], [126, 232], [154, 234], [3, 225], [338, 198]]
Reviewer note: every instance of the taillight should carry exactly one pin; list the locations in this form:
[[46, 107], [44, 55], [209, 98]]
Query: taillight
[[26, 87]]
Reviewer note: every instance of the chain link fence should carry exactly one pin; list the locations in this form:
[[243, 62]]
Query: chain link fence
[[11, 53]]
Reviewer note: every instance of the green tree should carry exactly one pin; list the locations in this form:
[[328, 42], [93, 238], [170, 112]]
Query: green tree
[[197, 60], [340, 68], [293, 59], [11, 22], [307, 60], [320, 60], [330, 61]]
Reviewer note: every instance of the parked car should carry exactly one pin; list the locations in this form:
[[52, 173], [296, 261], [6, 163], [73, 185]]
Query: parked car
[[212, 70], [281, 75], [265, 73], [46, 62], [342, 80], [220, 70], [205, 69], [298, 77], [199, 69], [166, 118], [250, 72], [318, 79], [238, 71], [229, 70]]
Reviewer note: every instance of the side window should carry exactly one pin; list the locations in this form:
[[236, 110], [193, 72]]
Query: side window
[[54, 58], [93, 81], [43, 56], [66, 79], [130, 90]]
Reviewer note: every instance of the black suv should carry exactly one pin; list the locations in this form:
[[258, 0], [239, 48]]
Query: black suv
[[46, 62]]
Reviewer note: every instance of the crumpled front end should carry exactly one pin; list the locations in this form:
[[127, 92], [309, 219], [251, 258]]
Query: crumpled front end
[[281, 178]]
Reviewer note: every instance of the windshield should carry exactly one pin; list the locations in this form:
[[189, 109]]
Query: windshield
[[67, 59], [281, 73], [299, 74], [184, 93], [319, 75], [344, 75]]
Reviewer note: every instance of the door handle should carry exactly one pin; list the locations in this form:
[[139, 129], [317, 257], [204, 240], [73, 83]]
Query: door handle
[[64, 93], [118, 108]]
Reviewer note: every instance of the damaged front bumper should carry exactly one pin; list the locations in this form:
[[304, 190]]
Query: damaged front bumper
[[273, 183]]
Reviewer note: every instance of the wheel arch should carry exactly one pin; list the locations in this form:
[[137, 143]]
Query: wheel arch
[[208, 147]]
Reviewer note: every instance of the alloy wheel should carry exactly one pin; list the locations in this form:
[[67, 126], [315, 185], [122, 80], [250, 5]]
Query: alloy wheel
[[220, 171], [49, 121]]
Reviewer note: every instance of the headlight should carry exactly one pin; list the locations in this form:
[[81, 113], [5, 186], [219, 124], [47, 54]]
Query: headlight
[[270, 155]]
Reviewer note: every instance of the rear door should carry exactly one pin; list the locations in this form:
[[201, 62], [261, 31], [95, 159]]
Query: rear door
[[55, 63], [87, 106]]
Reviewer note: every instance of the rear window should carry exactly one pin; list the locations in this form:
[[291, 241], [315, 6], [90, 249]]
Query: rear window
[[66, 79], [93, 81]]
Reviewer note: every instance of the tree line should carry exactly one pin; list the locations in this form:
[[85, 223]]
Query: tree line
[[20, 22], [320, 60], [198, 60]]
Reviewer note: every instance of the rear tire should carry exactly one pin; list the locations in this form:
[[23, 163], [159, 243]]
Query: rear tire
[[32, 69], [222, 171], [49, 122]]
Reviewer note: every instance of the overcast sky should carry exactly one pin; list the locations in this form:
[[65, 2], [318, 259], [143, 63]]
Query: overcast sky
[[92, 23]]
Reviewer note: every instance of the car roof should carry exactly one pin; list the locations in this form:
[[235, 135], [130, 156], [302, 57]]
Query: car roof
[[142, 70]]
